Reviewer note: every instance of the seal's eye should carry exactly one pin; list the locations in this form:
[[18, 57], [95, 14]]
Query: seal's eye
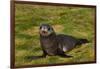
[[49, 28]]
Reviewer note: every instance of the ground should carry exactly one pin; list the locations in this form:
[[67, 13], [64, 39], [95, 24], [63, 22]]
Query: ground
[[74, 21]]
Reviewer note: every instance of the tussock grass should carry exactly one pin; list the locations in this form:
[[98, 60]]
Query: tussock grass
[[75, 21]]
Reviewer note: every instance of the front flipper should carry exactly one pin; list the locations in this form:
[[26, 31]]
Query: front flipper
[[37, 57]]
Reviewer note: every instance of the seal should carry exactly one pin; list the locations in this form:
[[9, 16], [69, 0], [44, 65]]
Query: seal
[[53, 44]]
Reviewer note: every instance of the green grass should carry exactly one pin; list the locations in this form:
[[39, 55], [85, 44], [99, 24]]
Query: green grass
[[75, 21]]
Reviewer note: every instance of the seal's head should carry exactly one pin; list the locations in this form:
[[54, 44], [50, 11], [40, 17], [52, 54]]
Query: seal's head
[[46, 30]]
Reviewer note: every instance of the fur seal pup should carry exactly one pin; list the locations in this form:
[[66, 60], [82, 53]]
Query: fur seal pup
[[53, 44]]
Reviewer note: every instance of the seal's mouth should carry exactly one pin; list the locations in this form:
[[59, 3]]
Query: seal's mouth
[[44, 32]]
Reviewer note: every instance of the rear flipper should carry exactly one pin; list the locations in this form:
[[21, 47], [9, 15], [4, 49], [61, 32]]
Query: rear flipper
[[82, 41]]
